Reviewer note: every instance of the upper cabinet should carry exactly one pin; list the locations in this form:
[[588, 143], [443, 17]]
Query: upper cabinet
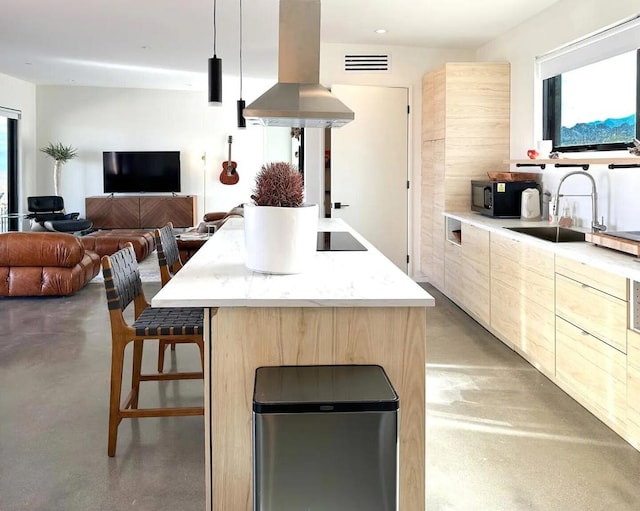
[[465, 134], [433, 104]]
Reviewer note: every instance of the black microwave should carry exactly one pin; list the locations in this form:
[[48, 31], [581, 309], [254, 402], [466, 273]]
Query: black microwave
[[499, 198]]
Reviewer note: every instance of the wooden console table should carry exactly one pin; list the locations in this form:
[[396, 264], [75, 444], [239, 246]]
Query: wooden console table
[[141, 211]]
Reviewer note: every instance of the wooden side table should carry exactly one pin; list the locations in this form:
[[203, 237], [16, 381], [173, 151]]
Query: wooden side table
[[189, 246]]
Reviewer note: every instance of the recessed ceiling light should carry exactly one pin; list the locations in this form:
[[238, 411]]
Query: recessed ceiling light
[[381, 31]]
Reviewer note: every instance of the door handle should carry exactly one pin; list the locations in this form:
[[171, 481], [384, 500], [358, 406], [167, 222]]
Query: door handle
[[339, 205]]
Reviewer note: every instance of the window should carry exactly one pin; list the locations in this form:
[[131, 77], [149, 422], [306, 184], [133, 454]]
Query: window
[[593, 107], [8, 172], [4, 160]]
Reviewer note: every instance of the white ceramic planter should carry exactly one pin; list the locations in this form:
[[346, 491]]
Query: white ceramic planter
[[280, 240]]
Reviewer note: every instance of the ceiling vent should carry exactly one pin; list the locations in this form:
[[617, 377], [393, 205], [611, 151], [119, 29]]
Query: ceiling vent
[[363, 63]]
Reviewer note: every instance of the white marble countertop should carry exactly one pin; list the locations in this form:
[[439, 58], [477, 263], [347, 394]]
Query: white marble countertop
[[619, 263], [216, 276]]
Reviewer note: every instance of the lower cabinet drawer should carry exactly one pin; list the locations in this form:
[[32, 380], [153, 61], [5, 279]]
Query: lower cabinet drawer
[[605, 281], [633, 383], [596, 312], [593, 372]]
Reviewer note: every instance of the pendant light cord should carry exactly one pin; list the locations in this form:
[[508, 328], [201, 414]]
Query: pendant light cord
[[214, 28], [240, 49]]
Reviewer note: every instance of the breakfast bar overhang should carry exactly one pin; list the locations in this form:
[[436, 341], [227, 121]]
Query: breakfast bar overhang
[[347, 308]]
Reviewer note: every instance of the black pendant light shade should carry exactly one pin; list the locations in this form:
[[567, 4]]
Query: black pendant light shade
[[215, 81], [242, 122]]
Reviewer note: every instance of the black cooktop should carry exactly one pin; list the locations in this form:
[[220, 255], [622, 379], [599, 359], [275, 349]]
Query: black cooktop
[[338, 241]]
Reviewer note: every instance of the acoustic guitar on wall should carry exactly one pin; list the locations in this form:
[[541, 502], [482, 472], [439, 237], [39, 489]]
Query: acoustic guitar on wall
[[229, 174]]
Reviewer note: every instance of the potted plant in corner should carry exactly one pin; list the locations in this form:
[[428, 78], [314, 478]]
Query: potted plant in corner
[[280, 231], [61, 154]]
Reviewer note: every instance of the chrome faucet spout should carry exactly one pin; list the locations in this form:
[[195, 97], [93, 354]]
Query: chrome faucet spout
[[595, 224]]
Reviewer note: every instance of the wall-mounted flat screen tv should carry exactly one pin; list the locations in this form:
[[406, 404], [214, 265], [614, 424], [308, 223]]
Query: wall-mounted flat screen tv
[[141, 171]]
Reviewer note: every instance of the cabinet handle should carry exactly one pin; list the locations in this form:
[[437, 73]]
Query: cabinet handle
[[584, 333], [584, 286]]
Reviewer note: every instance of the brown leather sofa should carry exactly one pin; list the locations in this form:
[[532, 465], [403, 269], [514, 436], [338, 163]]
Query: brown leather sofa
[[44, 264]]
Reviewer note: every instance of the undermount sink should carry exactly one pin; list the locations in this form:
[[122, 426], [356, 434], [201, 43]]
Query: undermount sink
[[551, 233]]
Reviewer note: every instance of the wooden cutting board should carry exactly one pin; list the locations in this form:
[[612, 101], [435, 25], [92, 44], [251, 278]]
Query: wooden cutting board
[[614, 243], [513, 176]]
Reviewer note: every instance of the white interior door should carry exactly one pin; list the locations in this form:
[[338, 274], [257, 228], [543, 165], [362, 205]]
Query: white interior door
[[369, 167]]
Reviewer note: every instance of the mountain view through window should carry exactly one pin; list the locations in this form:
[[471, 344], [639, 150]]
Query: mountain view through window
[[599, 102]]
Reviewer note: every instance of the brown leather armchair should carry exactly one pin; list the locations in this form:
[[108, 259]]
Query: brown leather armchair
[[44, 264]]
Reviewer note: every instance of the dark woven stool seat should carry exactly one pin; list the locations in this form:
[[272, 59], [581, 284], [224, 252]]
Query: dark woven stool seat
[[169, 321]]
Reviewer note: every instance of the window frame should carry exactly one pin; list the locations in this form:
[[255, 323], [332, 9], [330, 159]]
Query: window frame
[[552, 113]]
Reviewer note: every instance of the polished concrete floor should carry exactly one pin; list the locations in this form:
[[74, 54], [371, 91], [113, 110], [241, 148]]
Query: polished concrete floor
[[499, 435]]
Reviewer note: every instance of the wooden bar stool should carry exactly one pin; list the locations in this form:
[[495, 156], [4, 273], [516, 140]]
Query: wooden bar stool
[[170, 264], [123, 286]]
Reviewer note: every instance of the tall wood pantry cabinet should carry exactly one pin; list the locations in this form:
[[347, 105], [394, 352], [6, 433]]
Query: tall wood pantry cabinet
[[465, 134]]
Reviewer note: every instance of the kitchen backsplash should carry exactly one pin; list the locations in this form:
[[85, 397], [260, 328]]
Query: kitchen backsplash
[[618, 196]]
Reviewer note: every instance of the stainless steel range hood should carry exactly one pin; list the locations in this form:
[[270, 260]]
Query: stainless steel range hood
[[298, 100]]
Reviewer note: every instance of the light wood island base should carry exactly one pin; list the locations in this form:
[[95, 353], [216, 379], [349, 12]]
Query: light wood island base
[[241, 339]]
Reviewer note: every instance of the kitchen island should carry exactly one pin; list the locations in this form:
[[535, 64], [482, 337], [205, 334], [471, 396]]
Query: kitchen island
[[348, 308]]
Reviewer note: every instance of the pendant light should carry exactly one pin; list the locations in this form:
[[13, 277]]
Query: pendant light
[[242, 122], [215, 69]]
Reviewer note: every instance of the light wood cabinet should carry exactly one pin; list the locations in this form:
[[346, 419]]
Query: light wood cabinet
[[465, 134], [453, 282], [522, 299], [135, 212], [605, 281], [475, 272], [633, 386], [593, 311], [467, 272], [569, 319], [593, 300], [591, 339], [593, 372]]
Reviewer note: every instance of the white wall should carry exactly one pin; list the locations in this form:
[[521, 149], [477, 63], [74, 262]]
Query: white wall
[[563, 23], [21, 95], [408, 65], [95, 119]]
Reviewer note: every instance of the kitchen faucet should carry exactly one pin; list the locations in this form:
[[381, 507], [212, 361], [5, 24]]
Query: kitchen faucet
[[595, 225]]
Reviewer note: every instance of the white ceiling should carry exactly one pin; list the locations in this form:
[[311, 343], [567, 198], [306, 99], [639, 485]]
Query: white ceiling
[[166, 43]]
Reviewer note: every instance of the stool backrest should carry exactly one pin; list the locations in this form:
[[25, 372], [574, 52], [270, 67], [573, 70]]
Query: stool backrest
[[168, 253], [122, 281]]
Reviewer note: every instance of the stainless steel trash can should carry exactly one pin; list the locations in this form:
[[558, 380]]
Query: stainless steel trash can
[[325, 438]]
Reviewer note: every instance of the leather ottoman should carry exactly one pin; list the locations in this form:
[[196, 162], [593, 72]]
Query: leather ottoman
[[109, 242]]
